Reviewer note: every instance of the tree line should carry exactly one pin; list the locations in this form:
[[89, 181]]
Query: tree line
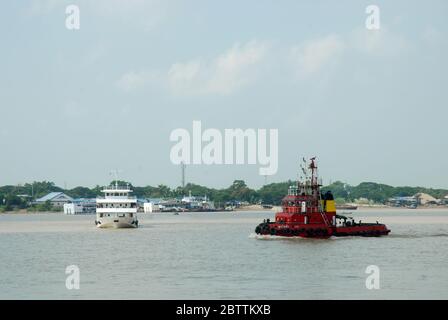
[[21, 196]]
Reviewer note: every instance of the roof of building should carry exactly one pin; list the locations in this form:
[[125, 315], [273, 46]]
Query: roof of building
[[51, 196], [411, 198], [425, 197]]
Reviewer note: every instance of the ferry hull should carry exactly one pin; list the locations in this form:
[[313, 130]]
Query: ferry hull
[[116, 223]]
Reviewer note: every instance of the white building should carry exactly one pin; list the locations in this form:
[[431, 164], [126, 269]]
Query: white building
[[80, 206], [149, 207]]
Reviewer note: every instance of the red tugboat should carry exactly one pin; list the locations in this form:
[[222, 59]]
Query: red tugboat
[[308, 213]]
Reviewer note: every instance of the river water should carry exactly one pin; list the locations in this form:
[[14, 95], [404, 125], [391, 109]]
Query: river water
[[217, 256]]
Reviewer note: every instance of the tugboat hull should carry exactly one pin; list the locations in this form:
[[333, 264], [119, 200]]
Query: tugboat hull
[[283, 230], [321, 232], [364, 230]]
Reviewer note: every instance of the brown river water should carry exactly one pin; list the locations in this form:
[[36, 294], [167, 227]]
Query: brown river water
[[218, 256]]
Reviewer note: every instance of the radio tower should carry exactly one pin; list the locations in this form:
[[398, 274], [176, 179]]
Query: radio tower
[[183, 174]]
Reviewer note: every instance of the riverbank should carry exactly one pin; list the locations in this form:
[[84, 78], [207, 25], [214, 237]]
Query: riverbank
[[259, 208], [360, 208]]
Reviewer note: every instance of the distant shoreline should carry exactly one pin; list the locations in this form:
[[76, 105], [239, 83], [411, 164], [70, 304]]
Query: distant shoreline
[[259, 208], [360, 208]]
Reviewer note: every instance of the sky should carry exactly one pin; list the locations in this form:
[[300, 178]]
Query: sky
[[76, 104]]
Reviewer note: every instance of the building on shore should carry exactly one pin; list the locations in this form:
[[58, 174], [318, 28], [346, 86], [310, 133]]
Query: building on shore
[[56, 199], [425, 199], [151, 205], [80, 206], [196, 203], [171, 205], [419, 199], [407, 202]]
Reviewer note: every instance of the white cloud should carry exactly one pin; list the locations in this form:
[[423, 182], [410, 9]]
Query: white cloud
[[313, 56], [240, 65], [380, 42], [224, 74], [132, 81]]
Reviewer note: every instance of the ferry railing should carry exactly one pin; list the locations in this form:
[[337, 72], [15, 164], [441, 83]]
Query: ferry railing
[[117, 197], [113, 187]]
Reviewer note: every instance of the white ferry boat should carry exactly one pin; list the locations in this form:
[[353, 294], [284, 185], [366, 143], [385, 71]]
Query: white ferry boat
[[117, 209]]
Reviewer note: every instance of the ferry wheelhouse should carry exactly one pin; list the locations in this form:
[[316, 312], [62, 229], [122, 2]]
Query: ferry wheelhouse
[[308, 213], [117, 208]]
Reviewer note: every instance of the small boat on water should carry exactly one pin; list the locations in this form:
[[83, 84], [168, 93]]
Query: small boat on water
[[346, 207], [308, 213], [117, 209]]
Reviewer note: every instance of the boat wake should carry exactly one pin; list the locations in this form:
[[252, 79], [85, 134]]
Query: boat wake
[[418, 236], [270, 237]]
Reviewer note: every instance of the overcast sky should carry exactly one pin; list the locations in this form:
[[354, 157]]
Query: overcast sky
[[371, 105]]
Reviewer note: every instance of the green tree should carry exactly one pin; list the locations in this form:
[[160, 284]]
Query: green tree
[[81, 192]]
